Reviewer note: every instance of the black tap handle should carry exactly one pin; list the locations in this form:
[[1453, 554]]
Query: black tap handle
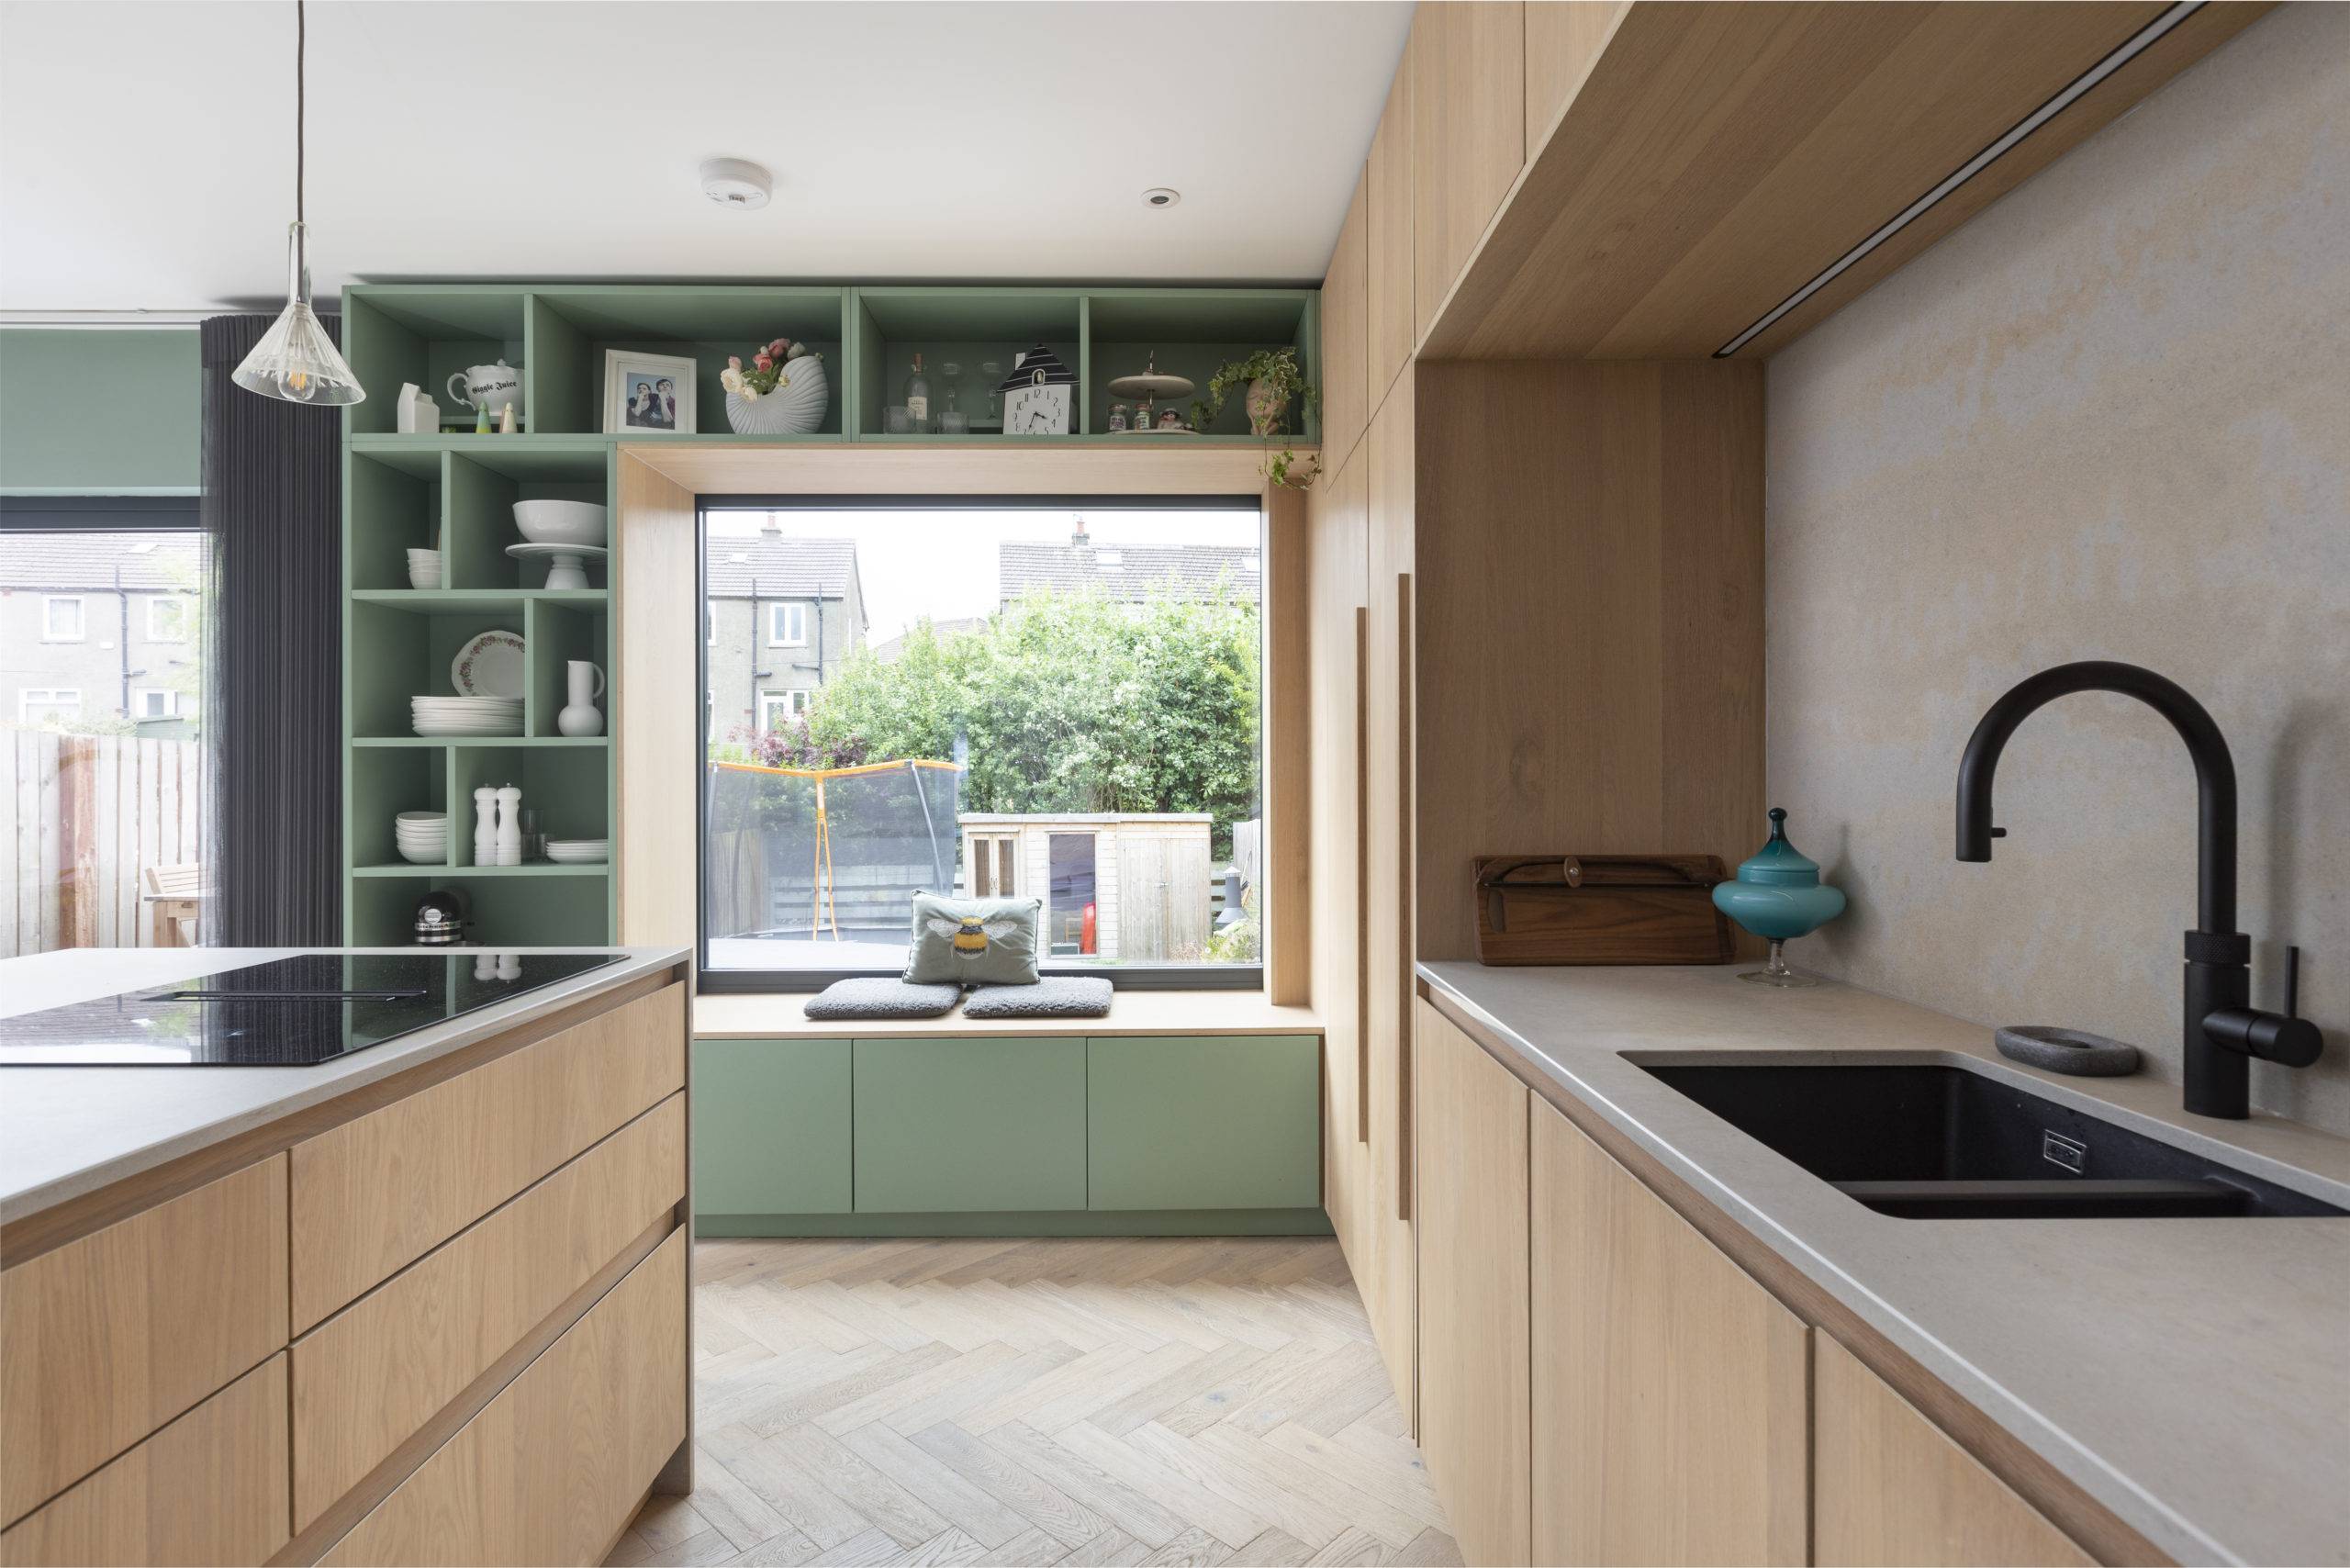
[[2284, 1037]]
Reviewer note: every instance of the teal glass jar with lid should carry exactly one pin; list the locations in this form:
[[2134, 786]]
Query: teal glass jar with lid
[[1777, 895]]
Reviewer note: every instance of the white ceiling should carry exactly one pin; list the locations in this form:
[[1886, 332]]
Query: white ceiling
[[147, 150]]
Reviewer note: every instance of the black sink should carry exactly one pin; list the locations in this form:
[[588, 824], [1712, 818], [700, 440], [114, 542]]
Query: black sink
[[1928, 1141]]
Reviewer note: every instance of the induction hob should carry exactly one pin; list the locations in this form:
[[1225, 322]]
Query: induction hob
[[286, 1013]]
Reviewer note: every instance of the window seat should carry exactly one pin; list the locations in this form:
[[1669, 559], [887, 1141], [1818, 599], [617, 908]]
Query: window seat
[[1182, 1113], [770, 1015]]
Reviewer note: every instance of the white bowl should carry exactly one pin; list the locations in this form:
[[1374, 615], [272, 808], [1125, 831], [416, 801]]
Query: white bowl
[[424, 818], [424, 854], [562, 522]]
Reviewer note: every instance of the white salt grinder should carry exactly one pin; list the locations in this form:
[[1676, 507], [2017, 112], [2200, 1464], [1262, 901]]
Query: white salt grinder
[[486, 825], [510, 826]]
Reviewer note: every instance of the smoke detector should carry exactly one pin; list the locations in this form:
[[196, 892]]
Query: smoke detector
[[1159, 196], [736, 182]]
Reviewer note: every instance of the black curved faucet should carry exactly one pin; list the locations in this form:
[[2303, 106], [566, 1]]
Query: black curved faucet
[[2223, 1031]]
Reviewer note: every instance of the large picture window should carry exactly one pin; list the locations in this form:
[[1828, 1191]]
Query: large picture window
[[982, 698]]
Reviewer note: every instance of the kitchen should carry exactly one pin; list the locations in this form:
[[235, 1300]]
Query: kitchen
[[599, 1123]]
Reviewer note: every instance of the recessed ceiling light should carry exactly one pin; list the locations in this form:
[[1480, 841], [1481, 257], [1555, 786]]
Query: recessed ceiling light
[[1159, 196], [735, 181]]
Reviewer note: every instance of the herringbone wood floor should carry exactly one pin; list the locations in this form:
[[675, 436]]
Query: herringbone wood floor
[[1129, 1401]]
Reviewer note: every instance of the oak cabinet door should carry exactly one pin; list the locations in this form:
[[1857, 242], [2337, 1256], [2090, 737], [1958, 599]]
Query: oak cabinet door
[[1345, 383], [1391, 329], [1891, 1487], [1669, 1407], [1472, 1299], [1467, 136], [1563, 40]]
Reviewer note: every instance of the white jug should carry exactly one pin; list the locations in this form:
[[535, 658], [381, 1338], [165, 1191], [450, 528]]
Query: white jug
[[580, 716]]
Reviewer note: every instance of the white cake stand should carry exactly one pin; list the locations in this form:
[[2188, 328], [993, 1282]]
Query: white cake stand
[[566, 564]]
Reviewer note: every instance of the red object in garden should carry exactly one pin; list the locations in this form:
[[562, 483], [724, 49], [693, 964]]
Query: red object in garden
[[1085, 932]]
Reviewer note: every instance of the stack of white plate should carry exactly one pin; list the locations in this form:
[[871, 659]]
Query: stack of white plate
[[422, 837], [467, 715], [578, 851]]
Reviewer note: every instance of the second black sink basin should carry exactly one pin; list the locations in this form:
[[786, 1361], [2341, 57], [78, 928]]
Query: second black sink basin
[[1932, 1141]]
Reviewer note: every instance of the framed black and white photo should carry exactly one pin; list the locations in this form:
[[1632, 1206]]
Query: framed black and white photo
[[647, 394]]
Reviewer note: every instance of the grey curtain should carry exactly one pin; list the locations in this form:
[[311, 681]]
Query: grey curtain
[[272, 508]]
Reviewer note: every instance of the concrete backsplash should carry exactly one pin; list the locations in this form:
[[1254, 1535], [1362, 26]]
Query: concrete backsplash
[[2109, 418]]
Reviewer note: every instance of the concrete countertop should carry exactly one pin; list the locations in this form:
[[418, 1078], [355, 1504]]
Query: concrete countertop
[[65, 1131], [2192, 1375]]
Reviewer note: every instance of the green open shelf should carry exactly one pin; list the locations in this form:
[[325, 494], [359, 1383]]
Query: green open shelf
[[454, 490]]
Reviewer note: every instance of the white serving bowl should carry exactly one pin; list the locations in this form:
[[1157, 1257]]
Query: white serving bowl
[[562, 522], [424, 819]]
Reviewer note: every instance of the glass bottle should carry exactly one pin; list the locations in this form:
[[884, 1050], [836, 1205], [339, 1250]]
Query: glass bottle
[[918, 396]]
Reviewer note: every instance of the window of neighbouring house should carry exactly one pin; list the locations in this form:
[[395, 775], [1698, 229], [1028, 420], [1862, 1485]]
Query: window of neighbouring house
[[775, 707], [154, 702], [62, 618], [167, 619], [40, 704], [983, 700]]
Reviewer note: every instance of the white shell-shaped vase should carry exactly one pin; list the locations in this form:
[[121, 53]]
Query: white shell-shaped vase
[[794, 409]]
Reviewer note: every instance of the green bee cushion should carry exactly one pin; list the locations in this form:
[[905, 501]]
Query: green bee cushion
[[973, 941]]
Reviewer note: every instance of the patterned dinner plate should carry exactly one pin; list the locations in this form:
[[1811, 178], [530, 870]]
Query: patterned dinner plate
[[490, 666]]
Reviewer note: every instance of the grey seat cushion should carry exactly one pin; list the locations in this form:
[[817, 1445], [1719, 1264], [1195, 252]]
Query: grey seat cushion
[[878, 998], [1054, 996]]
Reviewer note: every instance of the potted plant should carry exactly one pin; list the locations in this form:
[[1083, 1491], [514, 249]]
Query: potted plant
[[783, 392], [1273, 379]]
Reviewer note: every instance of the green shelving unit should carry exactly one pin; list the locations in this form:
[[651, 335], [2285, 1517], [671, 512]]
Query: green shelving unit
[[454, 490]]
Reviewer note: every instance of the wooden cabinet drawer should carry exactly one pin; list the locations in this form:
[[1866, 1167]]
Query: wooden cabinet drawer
[[366, 1379], [551, 1470], [1231, 1122], [378, 1193], [112, 1335], [210, 1487], [771, 1126], [969, 1127], [1889, 1486]]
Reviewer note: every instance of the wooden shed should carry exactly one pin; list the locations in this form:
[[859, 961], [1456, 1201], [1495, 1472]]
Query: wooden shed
[[1145, 875]]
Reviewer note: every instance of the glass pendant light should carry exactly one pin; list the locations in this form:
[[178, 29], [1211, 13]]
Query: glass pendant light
[[295, 360]]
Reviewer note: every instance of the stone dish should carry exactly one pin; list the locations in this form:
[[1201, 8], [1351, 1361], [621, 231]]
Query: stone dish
[[2072, 1051]]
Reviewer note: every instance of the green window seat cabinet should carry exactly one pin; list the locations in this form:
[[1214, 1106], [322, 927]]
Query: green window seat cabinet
[[1206, 1123], [821, 1136], [950, 1127], [771, 1126]]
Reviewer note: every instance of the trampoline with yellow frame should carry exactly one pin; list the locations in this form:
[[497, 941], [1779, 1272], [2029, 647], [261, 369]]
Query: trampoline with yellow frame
[[786, 843]]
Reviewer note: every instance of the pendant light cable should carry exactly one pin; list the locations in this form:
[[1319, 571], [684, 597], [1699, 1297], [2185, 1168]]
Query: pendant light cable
[[301, 83]]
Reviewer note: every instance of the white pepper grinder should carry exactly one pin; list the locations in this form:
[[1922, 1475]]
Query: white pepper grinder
[[510, 826], [486, 825]]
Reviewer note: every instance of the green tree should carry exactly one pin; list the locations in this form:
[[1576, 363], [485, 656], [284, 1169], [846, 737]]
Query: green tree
[[1069, 703]]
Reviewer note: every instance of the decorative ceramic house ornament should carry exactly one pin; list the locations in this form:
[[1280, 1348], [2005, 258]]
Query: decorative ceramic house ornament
[[1777, 895], [1039, 395]]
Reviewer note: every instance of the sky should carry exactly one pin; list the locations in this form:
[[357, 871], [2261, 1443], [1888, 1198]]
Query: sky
[[942, 564]]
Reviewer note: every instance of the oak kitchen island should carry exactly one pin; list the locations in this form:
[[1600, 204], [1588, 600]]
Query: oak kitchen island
[[425, 1300]]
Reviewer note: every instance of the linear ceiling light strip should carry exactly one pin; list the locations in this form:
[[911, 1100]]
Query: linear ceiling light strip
[[2137, 44]]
